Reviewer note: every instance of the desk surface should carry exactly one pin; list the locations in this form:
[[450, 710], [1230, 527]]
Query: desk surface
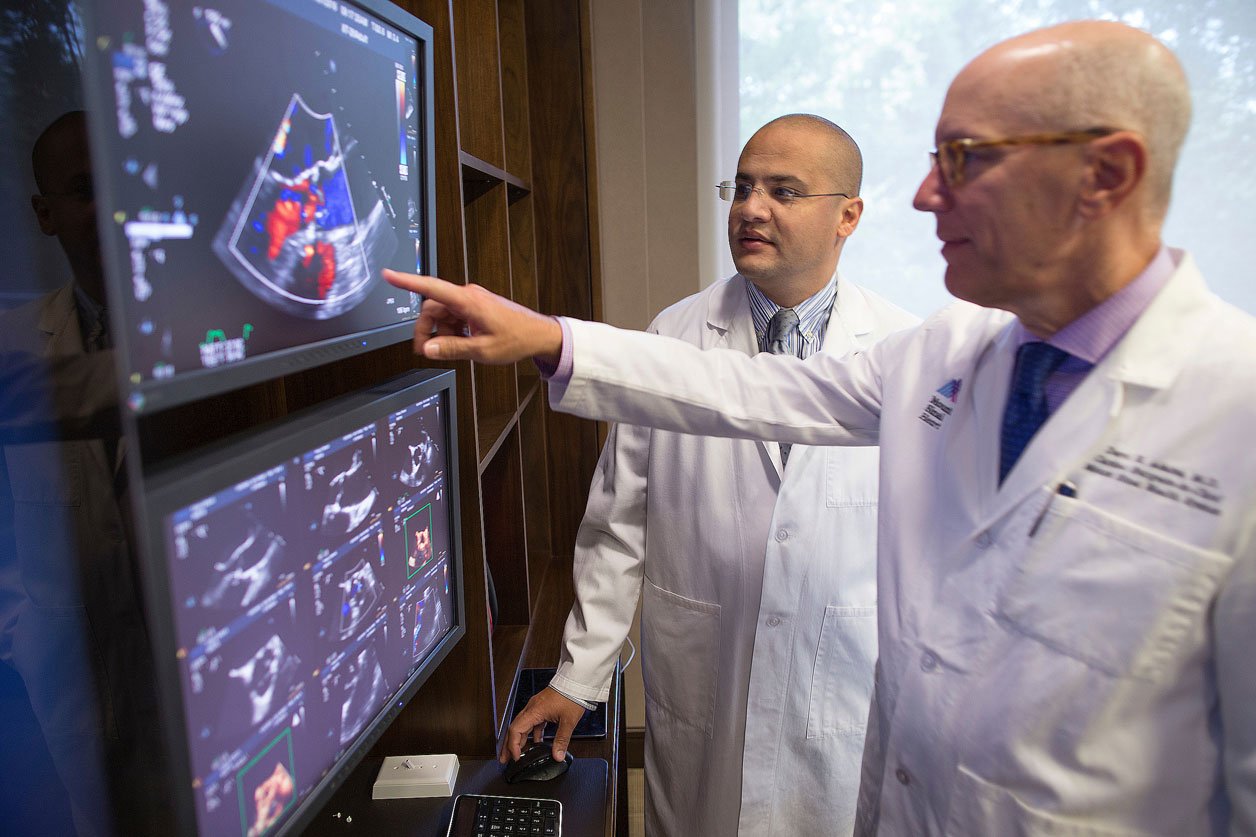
[[581, 790]]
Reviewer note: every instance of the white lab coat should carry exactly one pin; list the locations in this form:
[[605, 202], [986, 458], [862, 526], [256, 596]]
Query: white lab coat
[[1048, 665], [771, 646], [70, 625]]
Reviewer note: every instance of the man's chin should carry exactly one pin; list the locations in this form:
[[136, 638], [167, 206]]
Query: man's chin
[[754, 268]]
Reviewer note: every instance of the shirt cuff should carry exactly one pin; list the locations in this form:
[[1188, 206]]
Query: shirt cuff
[[559, 376], [586, 704]]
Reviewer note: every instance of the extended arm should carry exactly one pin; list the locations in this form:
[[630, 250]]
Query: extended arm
[[654, 381]]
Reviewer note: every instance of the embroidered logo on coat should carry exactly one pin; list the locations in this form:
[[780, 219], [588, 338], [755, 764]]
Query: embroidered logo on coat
[[936, 410]]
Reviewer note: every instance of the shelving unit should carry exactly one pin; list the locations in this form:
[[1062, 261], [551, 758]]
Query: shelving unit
[[516, 213]]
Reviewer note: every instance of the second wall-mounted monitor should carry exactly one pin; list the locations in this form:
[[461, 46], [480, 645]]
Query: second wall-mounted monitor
[[257, 164], [302, 582]]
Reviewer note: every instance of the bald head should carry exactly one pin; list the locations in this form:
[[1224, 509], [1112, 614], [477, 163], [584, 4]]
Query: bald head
[[64, 138], [836, 150], [1088, 74]]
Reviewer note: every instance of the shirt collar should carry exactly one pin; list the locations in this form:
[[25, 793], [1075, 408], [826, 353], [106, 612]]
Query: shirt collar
[[91, 314], [813, 312], [1092, 335]]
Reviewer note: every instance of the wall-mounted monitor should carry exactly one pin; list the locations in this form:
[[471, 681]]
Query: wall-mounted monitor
[[302, 582], [257, 164]]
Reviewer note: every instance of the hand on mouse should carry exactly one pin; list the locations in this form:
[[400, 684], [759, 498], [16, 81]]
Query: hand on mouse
[[546, 705]]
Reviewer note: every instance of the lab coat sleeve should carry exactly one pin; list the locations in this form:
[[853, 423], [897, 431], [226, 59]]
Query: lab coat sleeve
[[1234, 625], [668, 384], [608, 566]]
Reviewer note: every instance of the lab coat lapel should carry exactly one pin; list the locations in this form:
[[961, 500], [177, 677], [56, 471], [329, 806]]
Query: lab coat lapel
[[58, 320], [730, 326], [851, 323]]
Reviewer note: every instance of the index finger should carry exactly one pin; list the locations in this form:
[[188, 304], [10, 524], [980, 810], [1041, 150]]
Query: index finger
[[430, 287]]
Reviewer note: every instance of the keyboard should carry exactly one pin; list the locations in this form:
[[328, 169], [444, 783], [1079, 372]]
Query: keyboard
[[483, 815]]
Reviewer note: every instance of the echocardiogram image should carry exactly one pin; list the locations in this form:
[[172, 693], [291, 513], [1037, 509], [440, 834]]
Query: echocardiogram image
[[418, 532], [365, 690], [293, 235], [431, 620], [264, 674], [360, 591], [270, 798], [243, 679], [245, 573], [265, 786], [343, 488], [414, 456], [230, 556]]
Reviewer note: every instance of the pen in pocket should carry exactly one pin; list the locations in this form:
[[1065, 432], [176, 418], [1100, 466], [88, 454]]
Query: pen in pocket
[[1064, 489]]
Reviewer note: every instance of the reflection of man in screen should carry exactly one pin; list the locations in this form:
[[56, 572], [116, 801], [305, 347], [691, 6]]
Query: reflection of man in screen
[[70, 622], [352, 496], [270, 798], [421, 550]]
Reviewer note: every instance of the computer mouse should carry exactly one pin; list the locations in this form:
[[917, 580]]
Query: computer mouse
[[536, 764]]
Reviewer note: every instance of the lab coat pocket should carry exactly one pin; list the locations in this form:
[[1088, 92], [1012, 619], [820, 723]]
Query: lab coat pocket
[[680, 647], [1111, 593], [850, 476], [981, 807], [46, 474], [841, 681]]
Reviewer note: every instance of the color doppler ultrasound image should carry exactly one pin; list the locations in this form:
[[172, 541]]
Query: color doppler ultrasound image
[[293, 235]]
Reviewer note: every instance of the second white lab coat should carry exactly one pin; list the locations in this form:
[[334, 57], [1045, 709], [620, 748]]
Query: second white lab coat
[[1051, 662], [758, 613]]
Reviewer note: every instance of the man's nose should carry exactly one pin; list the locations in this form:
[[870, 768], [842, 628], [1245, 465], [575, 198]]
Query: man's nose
[[933, 194], [757, 205]]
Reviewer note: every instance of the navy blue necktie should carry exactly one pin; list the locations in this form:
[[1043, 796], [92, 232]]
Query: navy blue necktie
[[782, 324], [1026, 409]]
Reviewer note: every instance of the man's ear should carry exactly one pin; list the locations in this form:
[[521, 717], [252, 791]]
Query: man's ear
[[1117, 166], [43, 213], [849, 219]]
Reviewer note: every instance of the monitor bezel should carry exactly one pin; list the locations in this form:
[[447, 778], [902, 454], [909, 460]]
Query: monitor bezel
[[185, 479], [151, 396]]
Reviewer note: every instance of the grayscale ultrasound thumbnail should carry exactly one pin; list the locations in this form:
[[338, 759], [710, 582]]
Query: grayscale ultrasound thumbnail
[[415, 458], [430, 609], [348, 589], [245, 681], [342, 496], [231, 558], [354, 684]]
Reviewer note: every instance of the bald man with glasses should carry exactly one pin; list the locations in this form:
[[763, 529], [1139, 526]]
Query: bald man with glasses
[[1067, 541]]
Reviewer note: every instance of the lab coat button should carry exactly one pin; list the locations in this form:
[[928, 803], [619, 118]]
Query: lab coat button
[[781, 535], [773, 621], [984, 540], [904, 778], [928, 662]]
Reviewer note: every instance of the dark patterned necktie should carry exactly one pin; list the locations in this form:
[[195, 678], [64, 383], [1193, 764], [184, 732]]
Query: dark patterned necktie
[[1026, 409], [782, 324]]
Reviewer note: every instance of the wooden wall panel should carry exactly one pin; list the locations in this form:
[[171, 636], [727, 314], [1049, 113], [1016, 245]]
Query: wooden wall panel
[[560, 204]]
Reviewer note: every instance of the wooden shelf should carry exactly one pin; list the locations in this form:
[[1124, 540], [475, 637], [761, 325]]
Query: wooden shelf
[[482, 175], [495, 429], [508, 645]]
